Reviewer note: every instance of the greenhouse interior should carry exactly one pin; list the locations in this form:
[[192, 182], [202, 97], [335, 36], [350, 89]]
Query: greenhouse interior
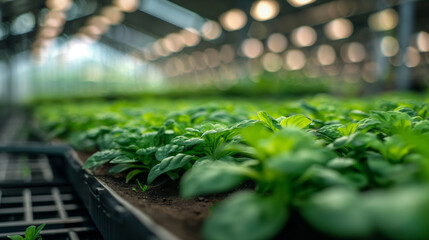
[[214, 119]]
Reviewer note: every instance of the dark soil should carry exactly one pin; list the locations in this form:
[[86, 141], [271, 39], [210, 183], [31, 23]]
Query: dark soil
[[184, 218], [162, 202]]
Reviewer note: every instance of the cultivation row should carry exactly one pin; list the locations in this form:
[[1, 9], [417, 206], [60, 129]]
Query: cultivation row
[[349, 168]]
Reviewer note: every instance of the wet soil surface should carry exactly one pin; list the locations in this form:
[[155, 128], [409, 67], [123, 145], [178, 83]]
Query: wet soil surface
[[162, 202], [184, 218]]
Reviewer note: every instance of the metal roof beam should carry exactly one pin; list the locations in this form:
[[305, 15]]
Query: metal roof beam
[[172, 13]]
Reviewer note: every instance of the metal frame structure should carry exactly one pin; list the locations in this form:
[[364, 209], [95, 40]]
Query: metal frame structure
[[156, 19]]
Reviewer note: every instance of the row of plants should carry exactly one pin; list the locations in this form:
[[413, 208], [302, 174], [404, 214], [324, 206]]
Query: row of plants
[[351, 168], [96, 82]]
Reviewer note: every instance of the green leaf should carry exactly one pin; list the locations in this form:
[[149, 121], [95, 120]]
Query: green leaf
[[367, 124], [123, 159], [100, 158], [242, 149], [245, 215], [271, 144], [252, 135], [211, 177], [348, 129], [146, 151], [422, 127], [167, 150], [406, 110], [243, 124], [126, 139], [357, 141], [267, 120], [95, 132], [39, 229], [329, 132], [364, 140], [168, 164], [402, 125], [391, 122], [143, 188], [194, 131], [184, 141], [120, 168], [340, 142], [172, 175], [132, 174], [298, 120], [30, 233], [341, 163], [395, 148], [310, 108], [339, 212], [358, 115], [106, 142], [16, 237], [148, 139], [295, 163], [380, 168], [193, 141], [325, 177], [357, 179], [400, 213], [423, 111], [218, 136]]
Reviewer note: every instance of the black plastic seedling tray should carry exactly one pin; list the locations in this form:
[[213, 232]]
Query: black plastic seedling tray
[[48, 195], [33, 192]]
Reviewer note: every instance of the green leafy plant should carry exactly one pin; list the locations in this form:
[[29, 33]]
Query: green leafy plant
[[351, 168], [31, 233]]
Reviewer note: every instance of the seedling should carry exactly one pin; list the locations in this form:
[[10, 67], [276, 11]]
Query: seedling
[[143, 188], [31, 233]]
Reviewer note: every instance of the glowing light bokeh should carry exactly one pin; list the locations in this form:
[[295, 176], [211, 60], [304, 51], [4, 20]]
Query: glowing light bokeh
[[326, 55], [264, 10], [422, 41], [190, 37], [300, 3], [211, 30], [294, 59], [277, 42], [412, 57], [59, 5], [127, 5], [252, 48], [389, 46], [304, 36], [384, 20], [353, 52], [271, 62], [339, 28], [233, 19]]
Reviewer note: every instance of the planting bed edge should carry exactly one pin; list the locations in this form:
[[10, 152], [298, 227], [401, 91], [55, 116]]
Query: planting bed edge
[[114, 216]]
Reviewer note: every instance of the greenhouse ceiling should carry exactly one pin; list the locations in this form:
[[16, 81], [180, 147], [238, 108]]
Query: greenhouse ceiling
[[189, 38], [148, 20]]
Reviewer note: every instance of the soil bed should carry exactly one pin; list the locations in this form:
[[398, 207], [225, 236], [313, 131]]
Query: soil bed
[[162, 202], [184, 218]]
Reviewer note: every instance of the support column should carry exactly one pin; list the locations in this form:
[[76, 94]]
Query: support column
[[8, 80], [405, 30], [382, 64]]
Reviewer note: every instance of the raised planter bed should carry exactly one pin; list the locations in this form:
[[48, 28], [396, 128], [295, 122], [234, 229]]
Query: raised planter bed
[[341, 170]]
